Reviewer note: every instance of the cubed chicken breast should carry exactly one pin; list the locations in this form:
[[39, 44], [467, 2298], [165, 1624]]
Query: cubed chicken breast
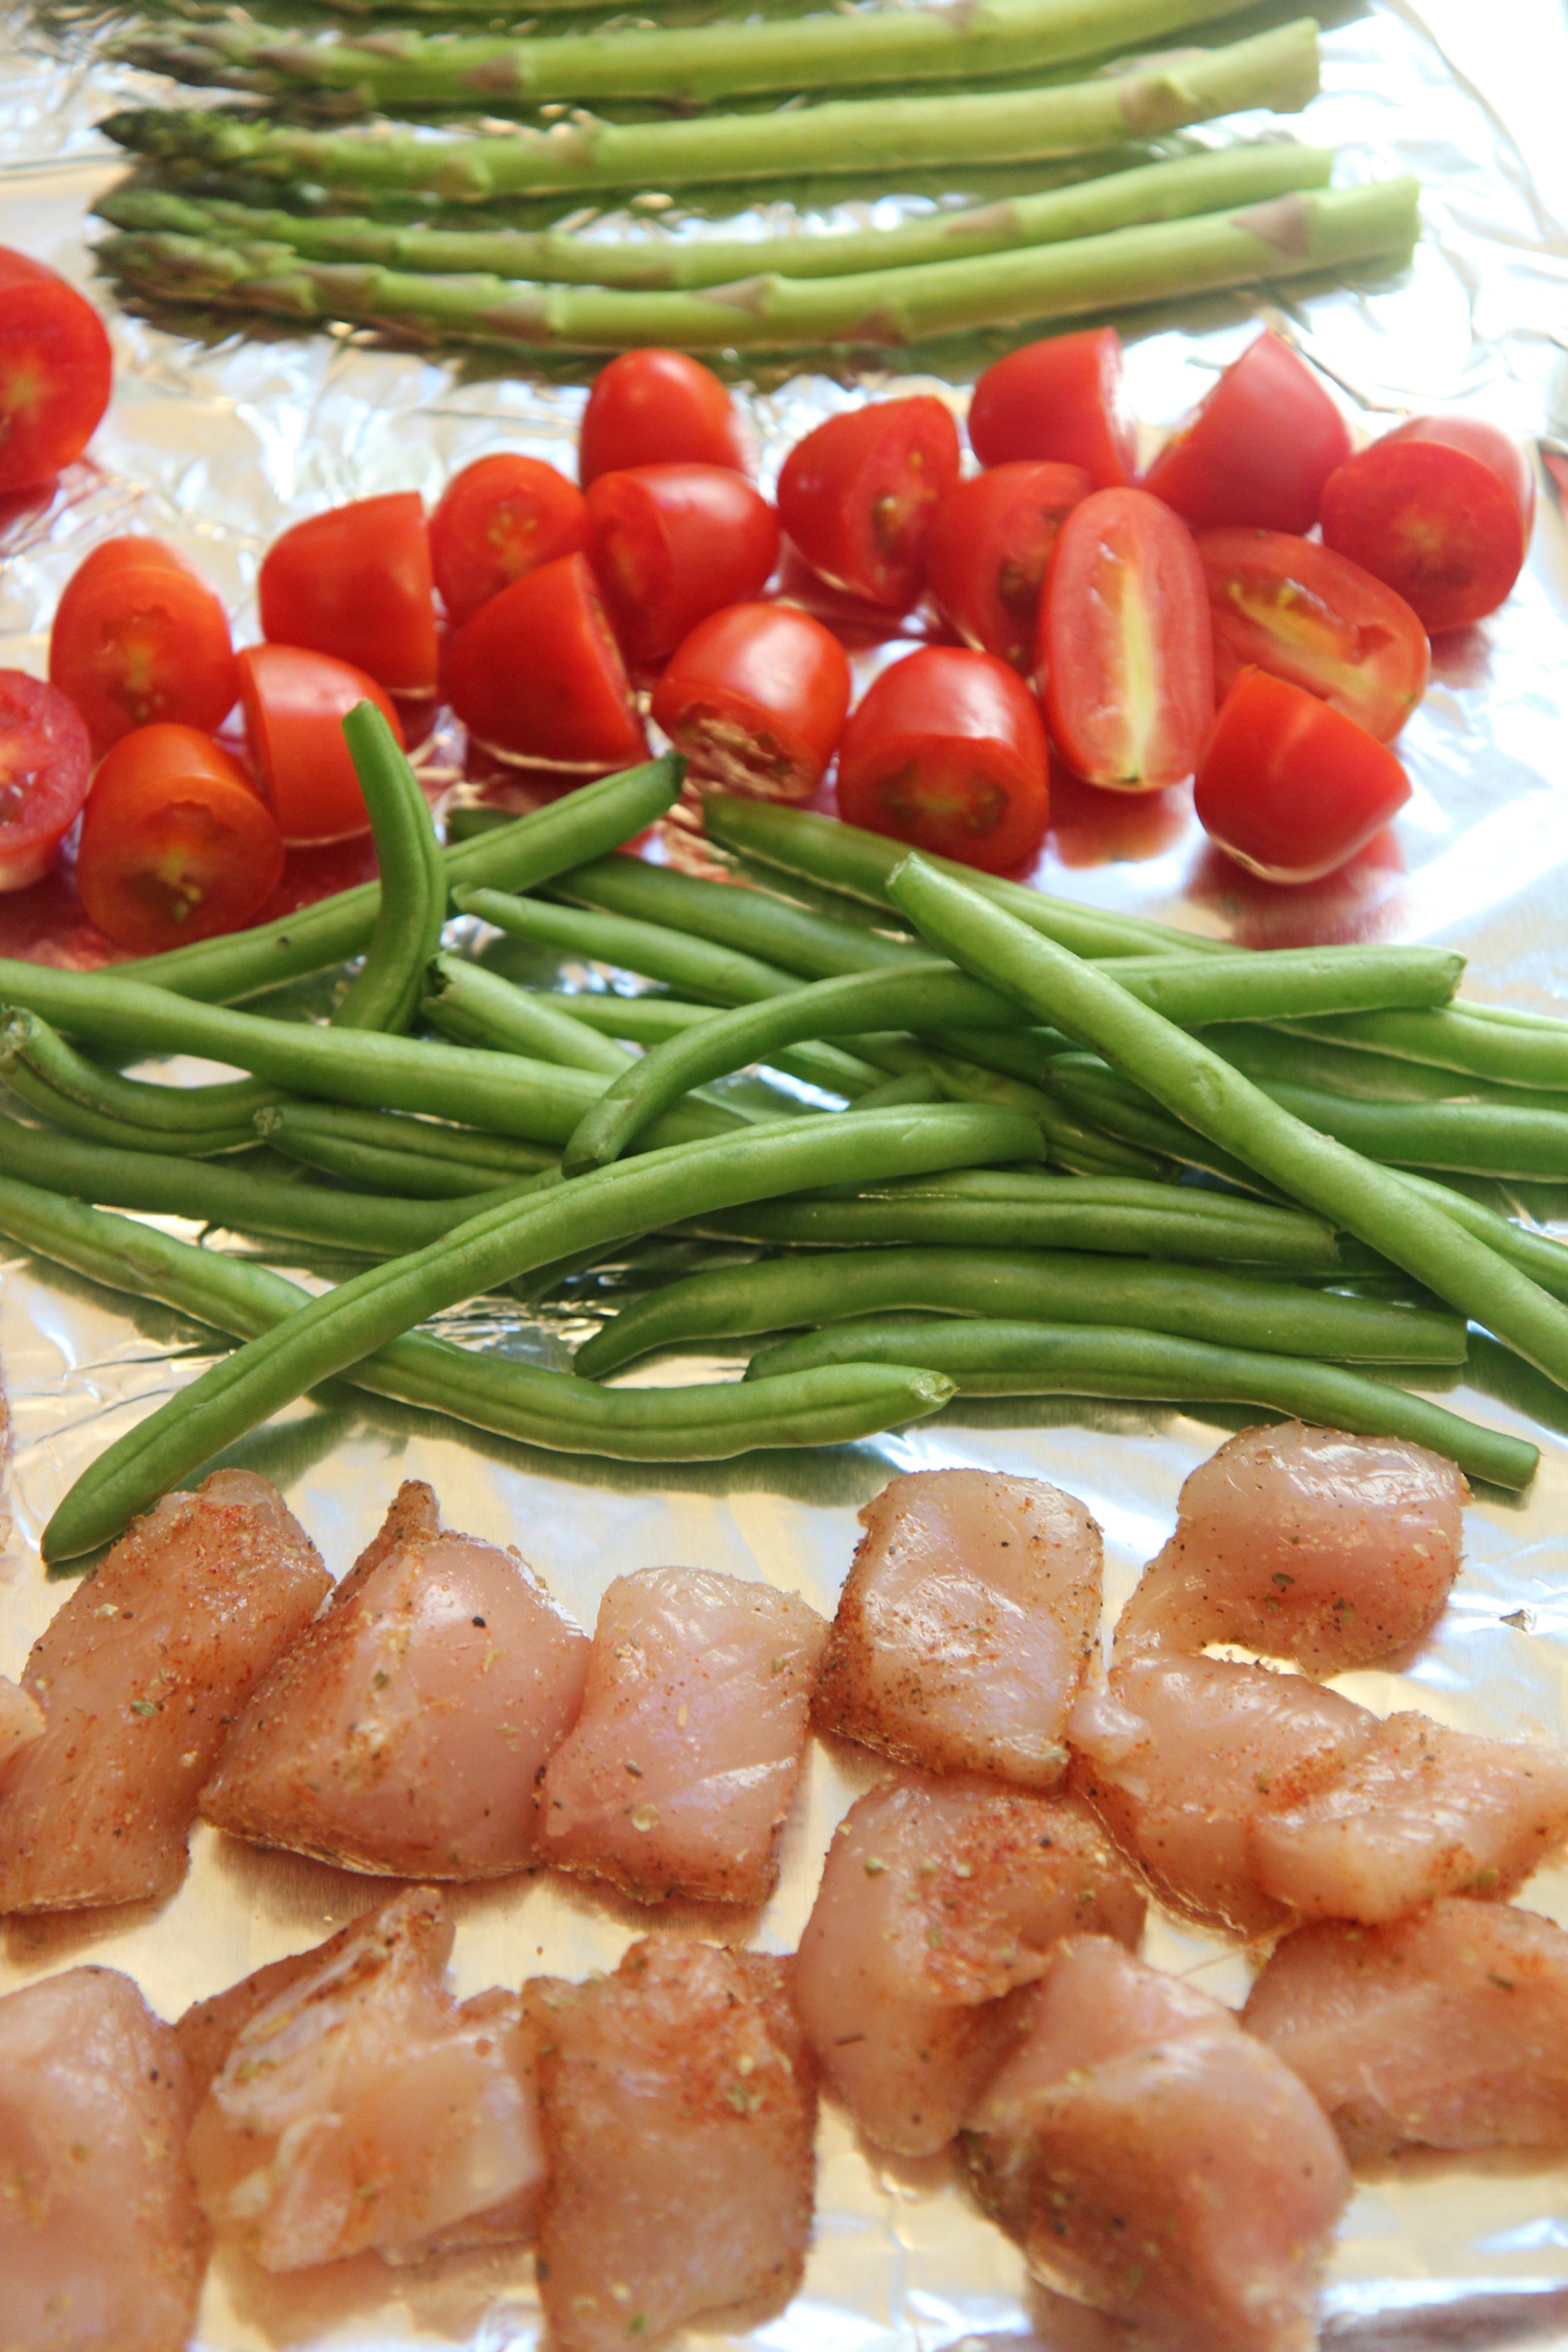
[[679, 2109], [103, 2244], [139, 1676], [965, 1630], [938, 1899], [680, 1771], [21, 1721]]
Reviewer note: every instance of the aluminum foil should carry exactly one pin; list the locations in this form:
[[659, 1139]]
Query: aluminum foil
[[216, 444]]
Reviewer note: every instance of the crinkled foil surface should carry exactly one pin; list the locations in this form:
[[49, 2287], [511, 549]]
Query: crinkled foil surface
[[216, 444]]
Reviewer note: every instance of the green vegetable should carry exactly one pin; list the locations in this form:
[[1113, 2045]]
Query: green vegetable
[[1107, 1101], [467, 1001], [312, 1134], [753, 923], [647, 947], [411, 905], [1544, 1260], [1490, 1040], [42, 1071]]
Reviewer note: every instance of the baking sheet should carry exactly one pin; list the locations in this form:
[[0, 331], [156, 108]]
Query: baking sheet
[[217, 446]]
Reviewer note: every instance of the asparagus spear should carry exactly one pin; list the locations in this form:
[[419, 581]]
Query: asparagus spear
[[1293, 234]]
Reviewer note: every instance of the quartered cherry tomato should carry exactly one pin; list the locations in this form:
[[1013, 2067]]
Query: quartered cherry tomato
[[1301, 612], [990, 543], [1290, 787], [755, 697], [654, 407], [56, 371], [500, 517], [46, 765], [947, 751], [1257, 448], [176, 845], [1441, 510], [295, 702], [669, 544], [1126, 650], [1061, 400], [537, 675], [857, 496], [356, 584], [139, 636]]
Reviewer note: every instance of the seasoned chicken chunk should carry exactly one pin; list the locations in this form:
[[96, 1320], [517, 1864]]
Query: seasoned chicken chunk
[[679, 1773], [101, 2244], [1307, 1543], [966, 1627], [939, 1899], [680, 2108], [405, 1732], [1156, 2162], [361, 2105], [21, 1721], [138, 1676], [1448, 2029]]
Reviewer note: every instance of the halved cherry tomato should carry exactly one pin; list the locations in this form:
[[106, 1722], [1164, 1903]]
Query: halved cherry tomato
[[1300, 612], [990, 543], [756, 697], [537, 675], [295, 703], [1126, 649], [947, 751], [1062, 400], [857, 496], [56, 371], [1257, 448], [499, 519], [1289, 786], [46, 765], [176, 843], [654, 407], [355, 583], [139, 636], [1441, 510], [669, 544]]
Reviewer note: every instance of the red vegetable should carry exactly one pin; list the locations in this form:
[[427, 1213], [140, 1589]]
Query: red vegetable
[[1061, 400], [756, 697], [658, 408], [139, 636], [56, 371], [1441, 510], [857, 496], [1257, 448], [947, 751], [1289, 786], [1126, 649], [175, 844], [45, 763], [669, 544], [537, 675], [295, 703], [355, 583], [500, 518], [1301, 612], [990, 543]]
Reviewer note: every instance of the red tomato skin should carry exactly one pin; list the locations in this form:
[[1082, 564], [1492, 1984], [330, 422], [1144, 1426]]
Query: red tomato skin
[[138, 637], [1302, 612], [1257, 449], [295, 701], [655, 408], [1289, 786], [175, 843], [990, 544], [536, 676], [500, 518], [1440, 510], [1126, 540], [46, 766], [57, 372], [669, 544], [947, 753], [755, 698], [355, 583], [1060, 400], [857, 495]]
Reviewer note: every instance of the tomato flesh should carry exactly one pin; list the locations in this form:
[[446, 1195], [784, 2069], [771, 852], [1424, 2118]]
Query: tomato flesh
[[755, 698], [295, 702], [669, 544], [1259, 447], [46, 765], [175, 843], [858, 494], [654, 407], [536, 675], [500, 518], [1441, 512], [56, 371], [990, 543], [1061, 400], [356, 582], [947, 751], [138, 637], [1302, 612], [1289, 786]]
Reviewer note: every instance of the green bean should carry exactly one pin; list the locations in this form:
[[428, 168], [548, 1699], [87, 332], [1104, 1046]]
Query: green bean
[[753, 922], [1081, 1150], [695, 965], [517, 1020], [1107, 1101], [306, 1133], [914, 1086], [411, 904], [1016, 1358], [1537, 1254], [1287, 983], [118, 1135], [1288, 1055], [651, 1019], [1488, 1041], [132, 1113], [1472, 1138], [502, 1158], [1024, 1053]]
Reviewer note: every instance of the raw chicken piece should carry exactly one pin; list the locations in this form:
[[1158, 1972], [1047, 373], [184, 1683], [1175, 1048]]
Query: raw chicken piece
[[360, 2105], [965, 1629], [138, 1675], [680, 2108], [1449, 2030], [21, 1721], [407, 1731], [101, 2243], [679, 1774], [1306, 1544], [1157, 2163], [936, 1900]]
